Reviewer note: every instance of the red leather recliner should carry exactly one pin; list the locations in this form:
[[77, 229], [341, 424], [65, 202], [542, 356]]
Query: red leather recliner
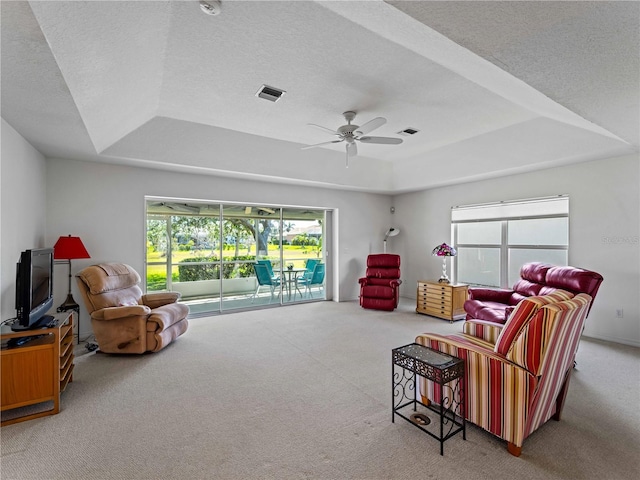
[[380, 289], [495, 305]]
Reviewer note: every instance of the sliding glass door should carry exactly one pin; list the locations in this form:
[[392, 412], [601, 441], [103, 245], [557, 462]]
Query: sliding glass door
[[303, 256], [250, 237], [222, 257]]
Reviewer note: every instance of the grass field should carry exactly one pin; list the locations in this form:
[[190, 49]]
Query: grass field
[[291, 253]]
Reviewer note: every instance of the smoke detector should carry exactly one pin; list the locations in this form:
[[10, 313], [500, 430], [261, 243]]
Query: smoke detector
[[210, 7]]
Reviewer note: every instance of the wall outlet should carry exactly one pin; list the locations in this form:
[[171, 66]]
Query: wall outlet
[[619, 313]]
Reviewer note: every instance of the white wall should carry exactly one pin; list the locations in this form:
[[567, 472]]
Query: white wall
[[22, 202], [105, 206], [604, 230]]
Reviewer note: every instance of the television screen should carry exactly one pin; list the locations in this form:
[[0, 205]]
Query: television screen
[[34, 288], [40, 279]]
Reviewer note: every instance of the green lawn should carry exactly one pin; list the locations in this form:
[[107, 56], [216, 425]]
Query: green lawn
[[291, 253]]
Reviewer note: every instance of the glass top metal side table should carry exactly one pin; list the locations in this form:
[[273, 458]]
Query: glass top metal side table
[[413, 360]]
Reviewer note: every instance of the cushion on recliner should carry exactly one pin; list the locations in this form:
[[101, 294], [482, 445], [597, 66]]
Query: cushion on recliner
[[158, 340], [100, 280], [375, 272], [491, 311], [528, 348], [125, 297], [388, 304], [378, 291], [527, 288], [386, 260], [574, 279], [163, 317], [386, 282], [534, 272], [515, 299], [521, 315]]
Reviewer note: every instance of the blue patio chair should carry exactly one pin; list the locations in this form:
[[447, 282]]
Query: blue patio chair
[[317, 278], [269, 266], [265, 279], [309, 265]]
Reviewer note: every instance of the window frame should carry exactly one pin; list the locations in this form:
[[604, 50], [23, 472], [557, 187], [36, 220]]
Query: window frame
[[504, 245]]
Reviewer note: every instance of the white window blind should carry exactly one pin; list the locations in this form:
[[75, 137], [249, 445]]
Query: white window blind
[[495, 239], [538, 207]]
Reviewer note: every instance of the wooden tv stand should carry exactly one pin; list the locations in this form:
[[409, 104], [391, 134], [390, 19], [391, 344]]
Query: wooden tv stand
[[39, 370]]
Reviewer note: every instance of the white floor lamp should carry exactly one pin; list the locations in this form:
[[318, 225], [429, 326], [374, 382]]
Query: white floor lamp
[[392, 232]]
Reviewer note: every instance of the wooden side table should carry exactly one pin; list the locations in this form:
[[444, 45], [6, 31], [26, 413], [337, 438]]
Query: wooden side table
[[39, 370], [442, 300]]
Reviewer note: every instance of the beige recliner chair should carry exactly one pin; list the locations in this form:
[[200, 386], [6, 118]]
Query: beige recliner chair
[[123, 319]]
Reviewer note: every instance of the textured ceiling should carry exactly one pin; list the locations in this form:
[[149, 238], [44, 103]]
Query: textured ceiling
[[493, 87]]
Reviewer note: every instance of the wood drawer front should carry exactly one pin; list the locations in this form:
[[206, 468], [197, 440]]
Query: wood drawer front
[[433, 296], [436, 312], [440, 288], [435, 290], [421, 308], [444, 308], [435, 285]]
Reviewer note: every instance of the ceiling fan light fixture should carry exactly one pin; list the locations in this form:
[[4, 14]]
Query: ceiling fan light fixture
[[351, 133]]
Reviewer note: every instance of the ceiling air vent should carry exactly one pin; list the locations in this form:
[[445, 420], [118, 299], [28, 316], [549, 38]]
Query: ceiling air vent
[[270, 93], [408, 131]]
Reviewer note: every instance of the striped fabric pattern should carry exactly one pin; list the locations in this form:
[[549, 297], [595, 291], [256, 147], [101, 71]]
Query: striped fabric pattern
[[528, 347], [488, 331], [503, 397], [560, 295], [564, 323], [516, 322], [521, 315], [494, 389]]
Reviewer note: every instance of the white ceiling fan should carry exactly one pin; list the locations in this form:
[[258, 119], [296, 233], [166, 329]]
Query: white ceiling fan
[[351, 134]]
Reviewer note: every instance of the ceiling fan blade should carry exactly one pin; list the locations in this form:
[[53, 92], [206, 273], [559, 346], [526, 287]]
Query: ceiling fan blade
[[333, 132], [320, 144], [381, 140], [371, 125], [352, 150]]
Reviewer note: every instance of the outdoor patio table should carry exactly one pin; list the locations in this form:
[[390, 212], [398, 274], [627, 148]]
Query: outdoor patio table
[[292, 279]]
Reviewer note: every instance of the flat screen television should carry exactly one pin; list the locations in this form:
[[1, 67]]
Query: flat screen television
[[34, 289]]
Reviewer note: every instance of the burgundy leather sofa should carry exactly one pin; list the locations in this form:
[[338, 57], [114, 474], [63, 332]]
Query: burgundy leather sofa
[[380, 288], [495, 305]]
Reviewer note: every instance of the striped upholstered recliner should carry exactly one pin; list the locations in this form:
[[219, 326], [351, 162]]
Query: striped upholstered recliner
[[516, 375]]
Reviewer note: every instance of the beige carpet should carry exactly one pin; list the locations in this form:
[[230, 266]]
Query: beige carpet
[[304, 392]]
